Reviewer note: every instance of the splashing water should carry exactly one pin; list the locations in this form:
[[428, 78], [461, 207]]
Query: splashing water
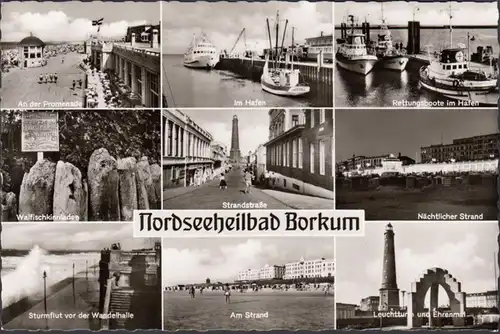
[[27, 278]]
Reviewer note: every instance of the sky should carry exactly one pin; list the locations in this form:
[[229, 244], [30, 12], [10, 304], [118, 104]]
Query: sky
[[253, 125], [194, 260], [377, 132], [223, 22], [465, 249], [54, 236], [72, 21], [400, 12]]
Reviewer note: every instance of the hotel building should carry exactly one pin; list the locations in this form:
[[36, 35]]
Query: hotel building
[[377, 161], [219, 154], [320, 44], [488, 299], [135, 65], [464, 149], [309, 269], [299, 150], [186, 149], [369, 303], [294, 270]]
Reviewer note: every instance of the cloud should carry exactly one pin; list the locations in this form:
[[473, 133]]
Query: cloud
[[181, 266], [56, 236], [462, 250], [57, 26], [194, 260], [399, 13], [223, 22]]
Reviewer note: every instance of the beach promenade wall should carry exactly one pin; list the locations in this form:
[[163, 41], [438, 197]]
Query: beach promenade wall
[[110, 191]]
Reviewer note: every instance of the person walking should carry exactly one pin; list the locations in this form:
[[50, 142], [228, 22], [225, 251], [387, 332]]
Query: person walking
[[248, 181], [74, 84], [55, 77], [222, 182]]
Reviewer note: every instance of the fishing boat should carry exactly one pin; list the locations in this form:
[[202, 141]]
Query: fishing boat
[[201, 53], [450, 73], [281, 81], [389, 57], [352, 53]]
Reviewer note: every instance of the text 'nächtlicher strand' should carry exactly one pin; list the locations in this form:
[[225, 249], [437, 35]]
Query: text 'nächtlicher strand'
[[246, 223]]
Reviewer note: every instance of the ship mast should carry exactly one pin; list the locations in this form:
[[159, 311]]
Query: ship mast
[[450, 14], [293, 45]]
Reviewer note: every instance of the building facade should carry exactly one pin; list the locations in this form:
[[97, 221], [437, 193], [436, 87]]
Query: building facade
[[486, 299], [135, 66], [299, 150], [369, 304], [309, 269], [345, 311], [30, 51], [464, 149], [142, 33], [219, 154], [186, 150], [377, 161], [320, 44], [260, 162]]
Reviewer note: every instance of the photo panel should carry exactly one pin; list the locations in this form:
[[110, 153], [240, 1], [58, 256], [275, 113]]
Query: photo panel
[[79, 165], [76, 54], [448, 282], [416, 54], [400, 164], [249, 284], [79, 276], [247, 54], [261, 159]]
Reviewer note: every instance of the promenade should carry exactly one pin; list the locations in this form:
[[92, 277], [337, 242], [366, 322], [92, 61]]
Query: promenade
[[64, 303], [208, 196], [21, 85]]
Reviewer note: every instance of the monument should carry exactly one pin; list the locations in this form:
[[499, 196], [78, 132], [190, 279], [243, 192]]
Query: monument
[[235, 154], [389, 292]]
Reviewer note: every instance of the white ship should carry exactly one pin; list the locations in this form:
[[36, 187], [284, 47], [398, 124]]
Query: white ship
[[201, 53], [352, 53], [389, 57], [450, 74]]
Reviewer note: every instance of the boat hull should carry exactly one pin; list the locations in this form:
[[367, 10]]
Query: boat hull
[[205, 62], [360, 65], [454, 87], [394, 63], [283, 91]]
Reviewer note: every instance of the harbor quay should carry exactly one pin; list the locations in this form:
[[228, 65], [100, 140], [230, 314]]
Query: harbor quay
[[22, 87], [318, 75]]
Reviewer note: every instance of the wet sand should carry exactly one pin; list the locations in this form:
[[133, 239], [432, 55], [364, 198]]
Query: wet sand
[[20, 87]]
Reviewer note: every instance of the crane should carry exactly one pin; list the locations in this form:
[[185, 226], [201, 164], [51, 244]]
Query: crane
[[242, 33]]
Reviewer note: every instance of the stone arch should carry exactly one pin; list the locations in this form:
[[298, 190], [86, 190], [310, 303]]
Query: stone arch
[[432, 279]]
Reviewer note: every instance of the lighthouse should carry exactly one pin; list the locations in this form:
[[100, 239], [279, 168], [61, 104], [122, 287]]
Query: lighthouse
[[389, 292]]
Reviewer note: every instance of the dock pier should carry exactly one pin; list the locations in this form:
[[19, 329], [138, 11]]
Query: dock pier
[[318, 75]]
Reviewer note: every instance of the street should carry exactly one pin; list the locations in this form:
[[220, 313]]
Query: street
[[208, 196]]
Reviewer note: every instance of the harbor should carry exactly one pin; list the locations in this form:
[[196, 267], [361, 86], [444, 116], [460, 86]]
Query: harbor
[[461, 60], [276, 62]]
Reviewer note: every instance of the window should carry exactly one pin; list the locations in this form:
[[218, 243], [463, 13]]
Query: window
[[294, 153], [138, 80], [312, 118], [166, 137], [170, 137], [322, 160], [154, 100], [295, 120], [176, 139], [287, 154], [311, 158], [285, 160], [300, 157], [321, 116], [129, 74]]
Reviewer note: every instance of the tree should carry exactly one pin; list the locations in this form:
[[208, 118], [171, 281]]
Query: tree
[[124, 133], [207, 281]]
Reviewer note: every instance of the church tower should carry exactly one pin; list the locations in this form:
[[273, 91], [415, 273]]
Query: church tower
[[389, 292], [234, 154]]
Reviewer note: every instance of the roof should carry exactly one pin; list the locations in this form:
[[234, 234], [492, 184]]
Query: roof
[[31, 40]]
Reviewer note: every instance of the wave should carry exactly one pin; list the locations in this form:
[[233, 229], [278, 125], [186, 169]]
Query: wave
[[26, 280]]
